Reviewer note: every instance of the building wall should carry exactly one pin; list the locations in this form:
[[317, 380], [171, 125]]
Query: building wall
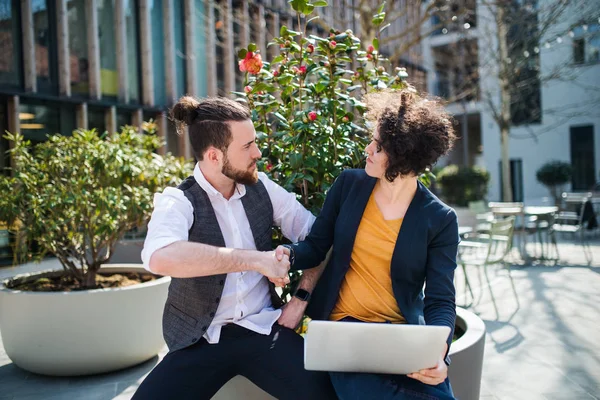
[[572, 101]]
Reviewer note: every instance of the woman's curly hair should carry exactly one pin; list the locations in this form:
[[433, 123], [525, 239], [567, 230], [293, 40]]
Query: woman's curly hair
[[413, 131]]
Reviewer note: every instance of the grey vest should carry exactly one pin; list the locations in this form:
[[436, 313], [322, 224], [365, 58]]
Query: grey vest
[[192, 302]]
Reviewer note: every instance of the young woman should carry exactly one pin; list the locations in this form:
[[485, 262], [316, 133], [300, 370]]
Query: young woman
[[394, 243]]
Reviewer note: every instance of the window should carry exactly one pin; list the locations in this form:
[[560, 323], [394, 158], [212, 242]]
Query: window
[[123, 118], [97, 119], [109, 80], [582, 157], [133, 50], [10, 44], [586, 44], [158, 52], [4, 158], [38, 120], [523, 36], [44, 37], [180, 55], [201, 50], [78, 57]]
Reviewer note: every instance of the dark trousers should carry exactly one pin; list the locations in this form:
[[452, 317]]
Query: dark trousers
[[273, 362], [359, 386]]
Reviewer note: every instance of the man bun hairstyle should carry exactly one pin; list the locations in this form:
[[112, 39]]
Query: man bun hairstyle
[[413, 131], [207, 121]]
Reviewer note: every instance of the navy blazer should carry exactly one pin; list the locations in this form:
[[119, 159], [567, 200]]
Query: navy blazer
[[425, 252]]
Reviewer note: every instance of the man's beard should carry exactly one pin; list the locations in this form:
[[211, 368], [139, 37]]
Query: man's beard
[[240, 176]]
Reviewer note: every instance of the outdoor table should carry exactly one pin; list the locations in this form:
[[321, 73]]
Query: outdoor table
[[464, 230]]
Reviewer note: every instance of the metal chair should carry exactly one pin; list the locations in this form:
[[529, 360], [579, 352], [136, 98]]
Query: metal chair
[[542, 226], [572, 223], [488, 249]]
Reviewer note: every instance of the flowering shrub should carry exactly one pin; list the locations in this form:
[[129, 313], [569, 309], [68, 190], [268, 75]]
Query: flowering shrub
[[306, 105]]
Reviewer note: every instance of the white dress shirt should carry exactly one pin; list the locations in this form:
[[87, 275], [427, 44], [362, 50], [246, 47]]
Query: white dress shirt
[[245, 300]]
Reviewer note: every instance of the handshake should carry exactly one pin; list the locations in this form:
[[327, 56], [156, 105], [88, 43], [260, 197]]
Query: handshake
[[276, 265]]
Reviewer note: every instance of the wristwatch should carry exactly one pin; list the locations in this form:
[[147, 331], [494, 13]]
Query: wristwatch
[[302, 294], [292, 254]]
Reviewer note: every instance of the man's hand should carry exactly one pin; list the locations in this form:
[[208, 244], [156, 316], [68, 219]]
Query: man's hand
[[280, 253], [292, 313], [274, 267], [435, 375]]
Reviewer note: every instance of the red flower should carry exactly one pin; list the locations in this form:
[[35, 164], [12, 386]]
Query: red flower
[[310, 48], [332, 44], [269, 166], [302, 70], [345, 119], [247, 89], [370, 49], [276, 73], [312, 115], [251, 64], [369, 56]]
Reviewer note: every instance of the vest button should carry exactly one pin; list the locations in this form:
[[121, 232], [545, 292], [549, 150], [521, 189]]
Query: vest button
[[217, 299], [204, 328], [212, 314], [221, 282], [194, 340]]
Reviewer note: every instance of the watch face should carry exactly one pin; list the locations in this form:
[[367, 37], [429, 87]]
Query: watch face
[[302, 294]]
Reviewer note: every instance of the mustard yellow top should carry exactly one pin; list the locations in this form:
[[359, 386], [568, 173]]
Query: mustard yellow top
[[366, 293]]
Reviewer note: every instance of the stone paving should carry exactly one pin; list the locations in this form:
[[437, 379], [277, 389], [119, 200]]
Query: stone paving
[[543, 344]]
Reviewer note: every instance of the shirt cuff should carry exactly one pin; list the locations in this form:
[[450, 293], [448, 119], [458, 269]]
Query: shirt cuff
[[156, 244]]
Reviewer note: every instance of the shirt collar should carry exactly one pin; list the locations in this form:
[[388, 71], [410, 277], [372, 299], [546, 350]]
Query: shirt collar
[[240, 190]]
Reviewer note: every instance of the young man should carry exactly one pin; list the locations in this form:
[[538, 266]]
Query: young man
[[221, 312]]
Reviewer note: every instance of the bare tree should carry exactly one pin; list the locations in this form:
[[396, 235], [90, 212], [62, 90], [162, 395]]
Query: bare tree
[[511, 35]]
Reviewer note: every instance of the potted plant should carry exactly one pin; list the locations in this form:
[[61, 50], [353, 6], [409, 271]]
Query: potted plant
[[75, 197], [307, 109], [461, 185], [554, 175]]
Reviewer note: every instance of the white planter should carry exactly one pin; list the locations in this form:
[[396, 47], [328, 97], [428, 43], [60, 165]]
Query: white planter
[[466, 354], [84, 332]]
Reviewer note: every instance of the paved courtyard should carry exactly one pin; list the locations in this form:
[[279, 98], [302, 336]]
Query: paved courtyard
[[543, 344]]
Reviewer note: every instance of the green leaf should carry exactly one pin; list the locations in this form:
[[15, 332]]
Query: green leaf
[[320, 3], [285, 79], [319, 87], [383, 28], [308, 9], [283, 31], [298, 5], [252, 47], [242, 53], [376, 44], [381, 8], [313, 18], [295, 160]]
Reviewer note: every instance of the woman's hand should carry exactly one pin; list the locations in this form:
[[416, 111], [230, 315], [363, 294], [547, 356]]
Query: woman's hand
[[435, 375]]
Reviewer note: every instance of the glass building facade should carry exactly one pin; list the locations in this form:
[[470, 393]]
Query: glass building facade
[[101, 64]]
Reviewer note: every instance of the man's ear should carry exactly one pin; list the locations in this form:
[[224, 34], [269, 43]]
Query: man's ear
[[213, 155]]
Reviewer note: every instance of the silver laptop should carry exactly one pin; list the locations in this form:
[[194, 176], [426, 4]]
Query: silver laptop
[[369, 347]]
